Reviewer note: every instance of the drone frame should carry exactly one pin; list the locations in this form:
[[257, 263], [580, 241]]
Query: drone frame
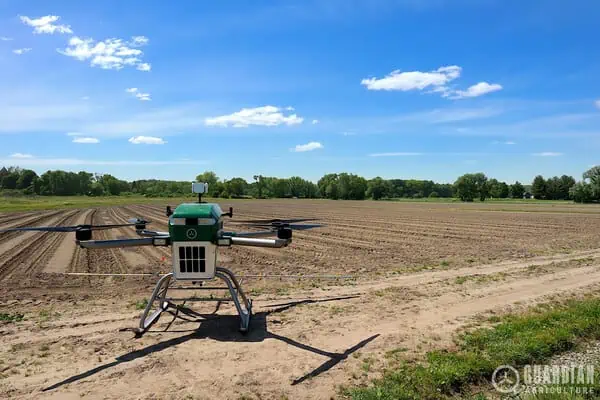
[[159, 302]]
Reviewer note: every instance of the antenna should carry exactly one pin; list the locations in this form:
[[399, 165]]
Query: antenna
[[200, 188]]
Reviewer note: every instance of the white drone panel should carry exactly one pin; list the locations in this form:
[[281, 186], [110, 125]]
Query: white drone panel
[[194, 260], [199, 187]]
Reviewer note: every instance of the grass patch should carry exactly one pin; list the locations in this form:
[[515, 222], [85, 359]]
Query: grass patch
[[140, 304], [16, 317], [516, 340], [32, 203], [48, 314]]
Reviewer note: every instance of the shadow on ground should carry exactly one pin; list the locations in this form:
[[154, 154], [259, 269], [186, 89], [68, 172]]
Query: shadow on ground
[[224, 328]]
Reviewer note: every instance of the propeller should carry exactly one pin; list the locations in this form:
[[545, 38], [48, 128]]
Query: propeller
[[274, 220], [282, 224], [73, 228]]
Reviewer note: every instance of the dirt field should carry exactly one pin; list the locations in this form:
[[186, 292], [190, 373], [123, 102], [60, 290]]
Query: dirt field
[[418, 272]]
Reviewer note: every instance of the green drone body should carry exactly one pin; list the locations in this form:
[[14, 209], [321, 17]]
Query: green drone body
[[196, 222]]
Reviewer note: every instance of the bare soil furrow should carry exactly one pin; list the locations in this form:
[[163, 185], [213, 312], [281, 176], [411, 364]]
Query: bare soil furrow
[[30, 248]]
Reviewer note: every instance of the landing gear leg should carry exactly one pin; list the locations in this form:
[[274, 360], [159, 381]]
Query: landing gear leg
[[159, 297], [244, 308]]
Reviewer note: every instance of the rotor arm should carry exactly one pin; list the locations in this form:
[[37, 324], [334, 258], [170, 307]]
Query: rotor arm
[[256, 242], [109, 244], [250, 234], [145, 232]]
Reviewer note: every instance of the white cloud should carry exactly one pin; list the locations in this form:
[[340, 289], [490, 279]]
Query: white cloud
[[307, 147], [139, 40], [46, 24], [22, 51], [21, 155], [477, 90], [415, 80], [86, 140], [597, 103], [146, 140], [5, 38], [143, 96], [107, 54], [436, 81], [508, 142], [315, 121], [348, 133], [85, 97], [547, 154], [396, 154], [74, 134], [440, 116], [145, 67], [136, 92], [261, 116]]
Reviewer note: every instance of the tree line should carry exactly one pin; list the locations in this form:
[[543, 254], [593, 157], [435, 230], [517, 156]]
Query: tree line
[[343, 186]]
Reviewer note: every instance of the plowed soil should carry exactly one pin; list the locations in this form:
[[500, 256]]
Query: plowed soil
[[378, 276]]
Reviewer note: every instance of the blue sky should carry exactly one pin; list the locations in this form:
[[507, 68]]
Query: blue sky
[[426, 89]]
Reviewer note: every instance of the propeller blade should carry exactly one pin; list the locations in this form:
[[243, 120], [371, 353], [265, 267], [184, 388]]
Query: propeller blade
[[66, 228], [103, 227], [303, 227], [274, 220], [138, 221], [42, 228]]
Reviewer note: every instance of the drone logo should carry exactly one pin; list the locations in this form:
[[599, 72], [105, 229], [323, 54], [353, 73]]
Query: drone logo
[[191, 234], [506, 379]]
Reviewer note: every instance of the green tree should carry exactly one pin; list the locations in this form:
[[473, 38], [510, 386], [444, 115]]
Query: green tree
[[566, 183], [581, 192], [593, 176], [538, 187], [96, 189], [466, 187], [482, 186], [328, 186], [517, 190], [297, 186], [9, 181], [236, 187], [553, 188], [259, 184], [378, 188], [85, 182]]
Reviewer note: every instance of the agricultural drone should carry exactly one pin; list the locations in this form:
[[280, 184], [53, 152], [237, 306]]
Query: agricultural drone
[[195, 232]]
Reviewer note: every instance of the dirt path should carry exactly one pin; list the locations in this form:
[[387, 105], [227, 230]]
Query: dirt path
[[302, 346]]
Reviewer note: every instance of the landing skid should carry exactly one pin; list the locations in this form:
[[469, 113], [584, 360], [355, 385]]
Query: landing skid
[[159, 302]]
